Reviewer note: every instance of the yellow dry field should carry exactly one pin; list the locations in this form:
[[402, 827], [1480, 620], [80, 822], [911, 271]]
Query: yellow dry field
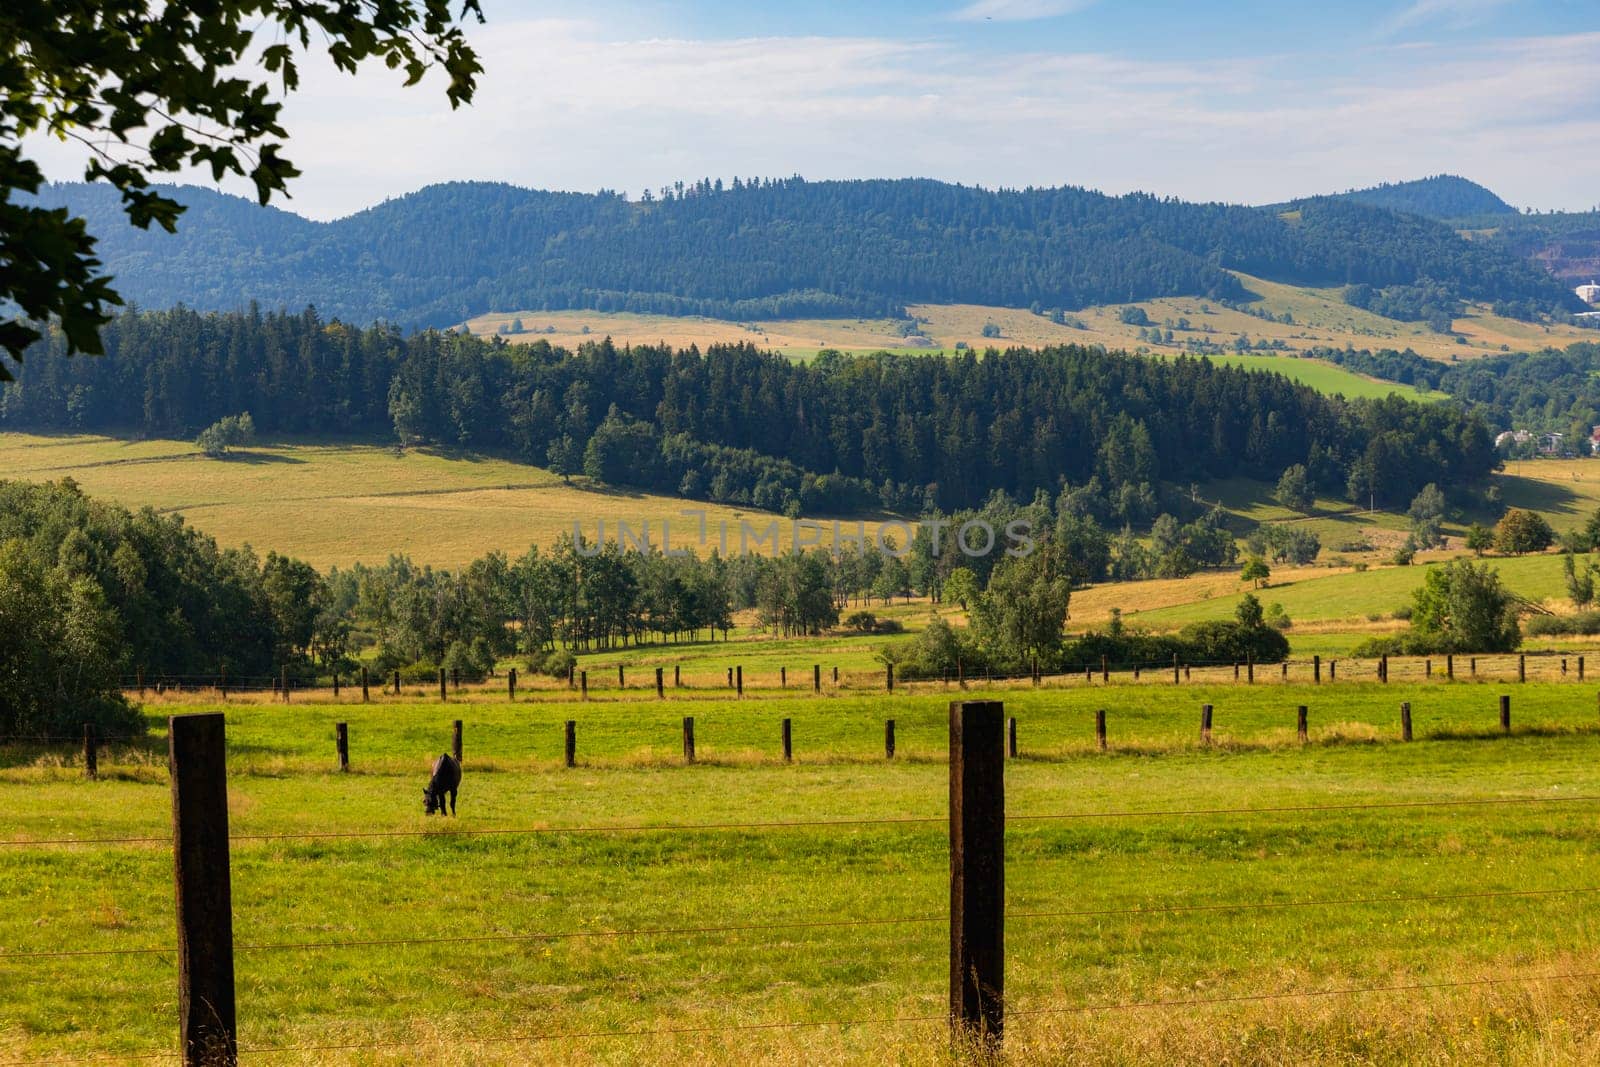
[[338, 504], [1321, 319]]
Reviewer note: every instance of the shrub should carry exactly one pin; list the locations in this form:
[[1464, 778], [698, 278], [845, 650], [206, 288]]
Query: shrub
[[557, 663], [1585, 622], [226, 433], [1523, 531]]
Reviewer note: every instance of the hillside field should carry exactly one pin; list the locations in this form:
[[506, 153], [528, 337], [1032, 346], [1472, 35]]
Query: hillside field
[[1321, 319], [757, 926], [338, 503]]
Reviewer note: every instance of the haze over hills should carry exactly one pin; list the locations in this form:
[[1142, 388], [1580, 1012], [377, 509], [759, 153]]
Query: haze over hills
[[791, 248]]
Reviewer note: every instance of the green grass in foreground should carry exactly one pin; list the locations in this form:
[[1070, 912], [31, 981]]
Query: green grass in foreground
[[441, 1000]]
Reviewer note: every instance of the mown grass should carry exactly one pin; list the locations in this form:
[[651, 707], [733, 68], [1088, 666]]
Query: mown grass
[[470, 1001], [337, 503]]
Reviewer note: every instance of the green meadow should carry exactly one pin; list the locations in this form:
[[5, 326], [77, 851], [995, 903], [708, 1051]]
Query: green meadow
[[651, 905]]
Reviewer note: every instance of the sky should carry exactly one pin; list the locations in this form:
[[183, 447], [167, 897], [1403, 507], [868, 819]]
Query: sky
[[1234, 100]]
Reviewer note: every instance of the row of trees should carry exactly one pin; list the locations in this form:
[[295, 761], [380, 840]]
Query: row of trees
[[838, 434]]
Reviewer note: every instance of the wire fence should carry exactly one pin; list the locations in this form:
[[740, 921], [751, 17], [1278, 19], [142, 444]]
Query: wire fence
[[959, 760]]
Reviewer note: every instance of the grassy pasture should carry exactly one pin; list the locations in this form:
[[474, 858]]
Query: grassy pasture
[[333, 503], [471, 1001]]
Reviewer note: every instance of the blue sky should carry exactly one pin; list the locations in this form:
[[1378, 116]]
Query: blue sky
[[1244, 101]]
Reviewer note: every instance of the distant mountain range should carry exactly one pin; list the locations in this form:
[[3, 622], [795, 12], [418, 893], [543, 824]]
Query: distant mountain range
[[791, 248]]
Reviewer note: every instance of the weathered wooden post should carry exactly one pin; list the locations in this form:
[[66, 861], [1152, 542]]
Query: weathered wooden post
[[341, 744], [1105, 669], [1250, 669], [888, 677], [1522, 667], [677, 676], [1236, 670], [1405, 721], [1011, 737], [1383, 668], [336, 685], [571, 743], [91, 755], [1033, 671], [1563, 666], [961, 673], [688, 739], [444, 694], [1316, 670], [788, 742], [836, 675], [455, 678], [783, 677], [396, 683], [1205, 723], [455, 740], [583, 685], [1285, 675], [366, 687], [622, 679], [1427, 668], [1175, 679], [1302, 730], [1100, 728], [816, 677], [888, 739], [730, 677], [1505, 714], [1449, 666], [1472, 666], [1580, 668], [977, 871], [1333, 670], [571, 675], [738, 679], [511, 685], [197, 760], [661, 689]]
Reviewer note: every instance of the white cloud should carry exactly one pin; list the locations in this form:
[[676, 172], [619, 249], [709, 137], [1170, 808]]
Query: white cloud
[[566, 105], [1451, 12], [1018, 10]]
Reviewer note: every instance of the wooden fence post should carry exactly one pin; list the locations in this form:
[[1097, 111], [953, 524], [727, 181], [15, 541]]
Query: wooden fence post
[[571, 675], [341, 744], [396, 683], [1449, 666], [1250, 668], [661, 689], [336, 685], [1333, 670], [583, 685], [1286, 670], [688, 739], [366, 689], [1472, 666], [1316, 670], [1236, 670], [788, 742], [622, 682], [1302, 730], [977, 871], [1427, 668], [1522, 667], [1383, 669], [1580, 668], [888, 677], [888, 739], [1011, 737], [1100, 728], [91, 757], [677, 676], [455, 678], [1105, 669], [1505, 714], [511, 685], [836, 675], [1175, 679], [571, 743], [197, 759], [738, 679], [444, 694], [1205, 723], [816, 677], [1405, 721], [783, 677], [455, 740]]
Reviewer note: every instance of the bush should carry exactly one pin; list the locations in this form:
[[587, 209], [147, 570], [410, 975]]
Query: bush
[[1585, 622], [1230, 642], [1523, 531], [557, 663], [226, 433]]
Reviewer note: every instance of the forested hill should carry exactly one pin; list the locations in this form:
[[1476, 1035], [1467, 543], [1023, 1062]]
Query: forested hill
[[734, 425], [775, 249], [1443, 196]]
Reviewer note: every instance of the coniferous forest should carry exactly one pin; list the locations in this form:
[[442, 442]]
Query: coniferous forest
[[839, 434]]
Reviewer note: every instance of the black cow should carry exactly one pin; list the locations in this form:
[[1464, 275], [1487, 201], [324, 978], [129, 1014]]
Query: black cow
[[446, 779]]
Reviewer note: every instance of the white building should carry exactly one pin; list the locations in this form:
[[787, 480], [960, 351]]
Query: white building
[[1589, 294]]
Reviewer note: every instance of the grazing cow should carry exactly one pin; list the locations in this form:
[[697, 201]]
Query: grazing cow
[[446, 779]]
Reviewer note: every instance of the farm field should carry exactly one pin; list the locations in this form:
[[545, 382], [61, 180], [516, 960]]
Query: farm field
[[1321, 319], [1328, 897], [338, 503]]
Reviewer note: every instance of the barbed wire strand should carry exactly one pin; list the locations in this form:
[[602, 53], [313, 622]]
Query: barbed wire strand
[[906, 820], [670, 931]]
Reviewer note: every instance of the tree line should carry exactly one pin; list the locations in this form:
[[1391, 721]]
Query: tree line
[[839, 434]]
